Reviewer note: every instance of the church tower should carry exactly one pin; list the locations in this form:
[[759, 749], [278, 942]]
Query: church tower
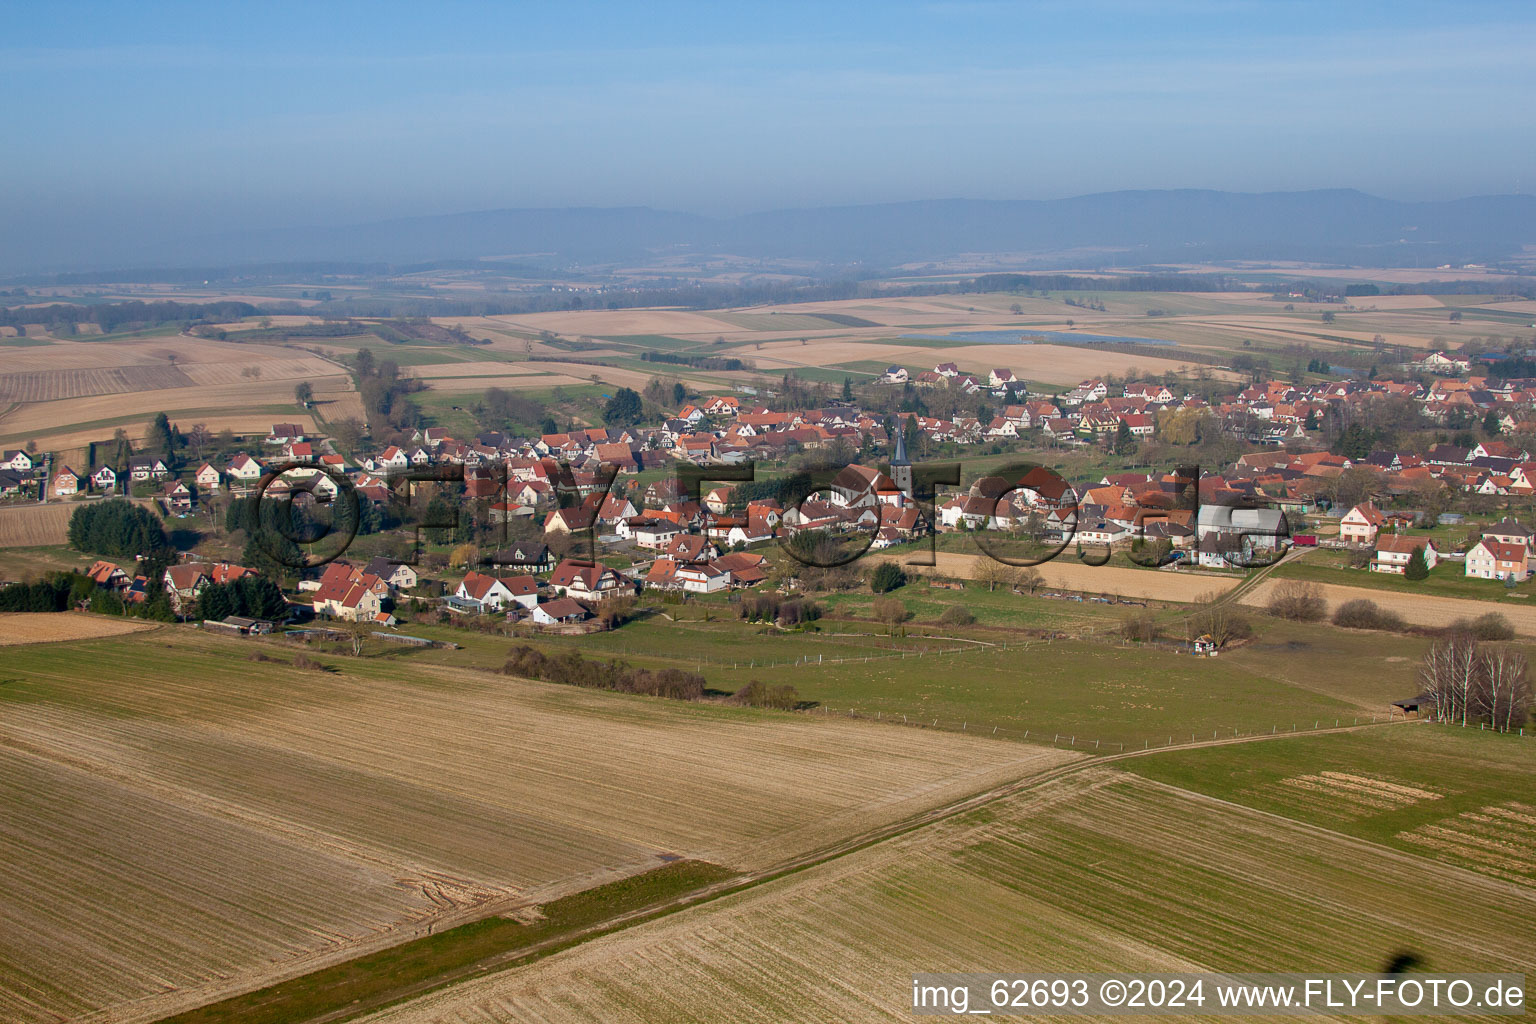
[[901, 466]]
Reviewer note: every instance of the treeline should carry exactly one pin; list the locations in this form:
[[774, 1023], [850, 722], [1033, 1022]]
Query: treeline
[[115, 316], [697, 362], [1068, 283], [254, 597], [49, 595], [571, 669], [62, 591], [117, 528]]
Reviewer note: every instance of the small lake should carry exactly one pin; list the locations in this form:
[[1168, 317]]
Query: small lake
[[1023, 336]]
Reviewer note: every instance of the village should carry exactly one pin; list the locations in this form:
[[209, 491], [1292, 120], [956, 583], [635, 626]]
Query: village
[[547, 531]]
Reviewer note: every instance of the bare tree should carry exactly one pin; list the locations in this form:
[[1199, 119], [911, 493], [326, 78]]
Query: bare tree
[[1507, 679], [988, 570], [890, 611], [1450, 672]]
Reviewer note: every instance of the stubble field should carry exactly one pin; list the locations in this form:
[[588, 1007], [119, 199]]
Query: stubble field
[[30, 526], [349, 809], [40, 628], [1099, 871]]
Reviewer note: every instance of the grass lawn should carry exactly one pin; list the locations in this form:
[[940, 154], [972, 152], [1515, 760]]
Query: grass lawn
[[29, 563]]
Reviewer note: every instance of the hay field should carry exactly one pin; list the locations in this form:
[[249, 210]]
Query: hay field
[[30, 526], [1099, 871], [41, 628], [232, 820], [1067, 573], [1418, 609]]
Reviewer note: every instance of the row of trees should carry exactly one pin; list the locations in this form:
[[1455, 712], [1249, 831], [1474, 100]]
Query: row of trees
[[1467, 682]]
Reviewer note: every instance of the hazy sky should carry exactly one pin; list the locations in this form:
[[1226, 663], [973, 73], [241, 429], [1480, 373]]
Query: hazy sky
[[216, 115]]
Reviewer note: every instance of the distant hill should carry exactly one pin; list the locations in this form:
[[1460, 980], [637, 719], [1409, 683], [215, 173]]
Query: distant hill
[[1334, 225]]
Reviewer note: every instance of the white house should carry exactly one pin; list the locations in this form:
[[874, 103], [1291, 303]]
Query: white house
[[1393, 552], [1498, 560], [1361, 524], [16, 460], [244, 470], [702, 578]]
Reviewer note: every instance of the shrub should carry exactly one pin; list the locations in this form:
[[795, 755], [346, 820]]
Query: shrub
[[1302, 602], [304, 661], [1491, 626], [1363, 614], [886, 578], [759, 695], [1140, 626], [957, 615]]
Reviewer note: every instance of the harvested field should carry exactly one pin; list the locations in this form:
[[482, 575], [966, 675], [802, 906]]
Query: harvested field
[[350, 808], [1096, 872], [1069, 574], [597, 323], [30, 526], [41, 628], [48, 420], [73, 392], [1420, 610]]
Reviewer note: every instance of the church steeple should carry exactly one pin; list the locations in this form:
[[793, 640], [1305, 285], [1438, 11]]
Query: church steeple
[[901, 467]]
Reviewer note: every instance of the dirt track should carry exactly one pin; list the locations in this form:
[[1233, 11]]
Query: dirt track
[[1418, 609]]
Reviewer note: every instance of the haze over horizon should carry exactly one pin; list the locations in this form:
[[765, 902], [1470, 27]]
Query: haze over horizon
[[184, 118]]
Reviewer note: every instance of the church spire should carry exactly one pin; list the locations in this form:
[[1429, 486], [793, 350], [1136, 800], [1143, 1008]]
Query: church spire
[[901, 468]]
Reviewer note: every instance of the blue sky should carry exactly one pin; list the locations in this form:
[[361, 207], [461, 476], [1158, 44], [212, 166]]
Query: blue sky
[[223, 115]]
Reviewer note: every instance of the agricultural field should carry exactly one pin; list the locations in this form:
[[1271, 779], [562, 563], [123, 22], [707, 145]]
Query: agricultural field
[[1453, 795], [40, 628], [238, 820], [1068, 573], [70, 392], [26, 526], [1100, 870], [1419, 609]]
